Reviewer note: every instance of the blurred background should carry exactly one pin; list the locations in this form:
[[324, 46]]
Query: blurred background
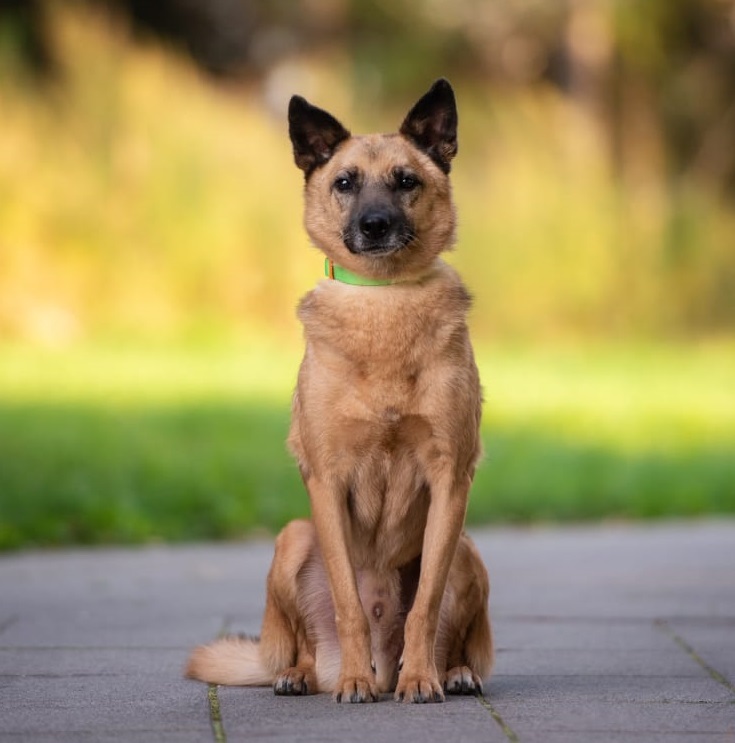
[[152, 253]]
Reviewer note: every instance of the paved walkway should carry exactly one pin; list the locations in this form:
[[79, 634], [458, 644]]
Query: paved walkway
[[604, 634]]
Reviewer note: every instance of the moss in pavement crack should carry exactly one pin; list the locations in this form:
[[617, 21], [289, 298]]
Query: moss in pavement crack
[[510, 734], [215, 715], [663, 625]]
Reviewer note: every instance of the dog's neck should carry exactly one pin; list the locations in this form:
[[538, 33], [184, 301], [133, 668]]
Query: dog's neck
[[337, 273]]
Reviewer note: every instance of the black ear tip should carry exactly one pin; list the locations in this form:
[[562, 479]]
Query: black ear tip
[[297, 103], [442, 85]]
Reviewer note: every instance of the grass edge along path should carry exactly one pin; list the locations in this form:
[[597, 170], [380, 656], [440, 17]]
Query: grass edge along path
[[128, 446]]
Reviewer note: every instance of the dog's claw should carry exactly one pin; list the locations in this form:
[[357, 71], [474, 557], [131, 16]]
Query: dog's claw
[[462, 680], [355, 691], [292, 682], [419, 690]]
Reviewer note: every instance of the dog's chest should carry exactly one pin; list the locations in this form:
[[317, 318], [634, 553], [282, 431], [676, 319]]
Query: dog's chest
[[383, 390], [388, 504], [376, 431]]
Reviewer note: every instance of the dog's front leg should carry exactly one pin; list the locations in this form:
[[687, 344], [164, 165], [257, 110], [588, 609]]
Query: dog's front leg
[[357, 681], [418, 680]]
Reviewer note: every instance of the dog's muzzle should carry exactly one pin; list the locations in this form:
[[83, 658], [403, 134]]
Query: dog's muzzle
[[378, 231]]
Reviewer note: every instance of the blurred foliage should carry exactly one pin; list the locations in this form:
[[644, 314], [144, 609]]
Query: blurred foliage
[[143, 195], [148, 194]]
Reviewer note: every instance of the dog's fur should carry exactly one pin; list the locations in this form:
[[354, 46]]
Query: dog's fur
[[382, 590]]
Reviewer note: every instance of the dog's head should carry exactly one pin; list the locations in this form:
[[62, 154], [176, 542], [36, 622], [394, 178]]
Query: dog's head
[[379, 205]]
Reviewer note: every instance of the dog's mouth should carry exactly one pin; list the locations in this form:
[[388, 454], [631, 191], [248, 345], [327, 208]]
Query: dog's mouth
[[360, 246], [378, 233]]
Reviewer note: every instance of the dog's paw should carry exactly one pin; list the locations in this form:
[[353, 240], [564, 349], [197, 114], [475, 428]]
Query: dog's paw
[[355, 690], [295, 682], [418, 689], [462, 680]]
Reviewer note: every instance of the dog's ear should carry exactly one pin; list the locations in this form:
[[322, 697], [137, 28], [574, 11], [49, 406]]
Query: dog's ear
[[432, 124], [314, 133]]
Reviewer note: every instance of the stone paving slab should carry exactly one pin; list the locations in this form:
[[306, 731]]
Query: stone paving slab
[[68, 662], [712, 641], [258, 715], [531, 634], [533, 721], [595, 662], [129, 735], [575, 690], [621, 736], [96, 703], [604, 634]]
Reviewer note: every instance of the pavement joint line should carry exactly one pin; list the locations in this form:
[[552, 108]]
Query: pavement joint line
[[508, 731], [215, 714], [697, 619], [215, 711], [97, 648], [682, 676], [80, 675], [664, 626]]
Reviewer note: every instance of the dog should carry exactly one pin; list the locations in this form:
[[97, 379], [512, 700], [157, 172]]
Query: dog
[[382, 590]]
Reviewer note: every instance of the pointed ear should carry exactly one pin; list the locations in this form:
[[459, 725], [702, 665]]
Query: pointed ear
[[432, 124], [314, 133]]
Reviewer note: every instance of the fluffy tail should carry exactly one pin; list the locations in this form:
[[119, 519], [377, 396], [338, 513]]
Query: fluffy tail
[[232, 661]]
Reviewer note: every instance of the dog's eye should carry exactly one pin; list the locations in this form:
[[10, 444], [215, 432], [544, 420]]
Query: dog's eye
[[343, 184], [407, 182]]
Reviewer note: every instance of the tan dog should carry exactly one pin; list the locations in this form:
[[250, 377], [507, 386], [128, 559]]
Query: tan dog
[[385, 429]]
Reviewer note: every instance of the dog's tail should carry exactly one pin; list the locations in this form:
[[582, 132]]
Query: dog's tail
[[232, 660]]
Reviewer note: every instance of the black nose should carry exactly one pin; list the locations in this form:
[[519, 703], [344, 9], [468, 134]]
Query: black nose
[[375, 224]]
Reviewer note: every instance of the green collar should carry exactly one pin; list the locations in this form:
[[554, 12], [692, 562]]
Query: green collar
[[333, 271]]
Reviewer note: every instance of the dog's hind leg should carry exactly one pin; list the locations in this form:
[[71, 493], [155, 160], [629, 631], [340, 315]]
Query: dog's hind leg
[[464, 647], [477, 655], [286, 647], [283, 655]]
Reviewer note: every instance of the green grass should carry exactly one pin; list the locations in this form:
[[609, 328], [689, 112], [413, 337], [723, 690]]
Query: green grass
[[101, 445]]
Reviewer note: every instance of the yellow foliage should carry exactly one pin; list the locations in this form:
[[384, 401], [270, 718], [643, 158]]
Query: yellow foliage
[[138, 199]]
